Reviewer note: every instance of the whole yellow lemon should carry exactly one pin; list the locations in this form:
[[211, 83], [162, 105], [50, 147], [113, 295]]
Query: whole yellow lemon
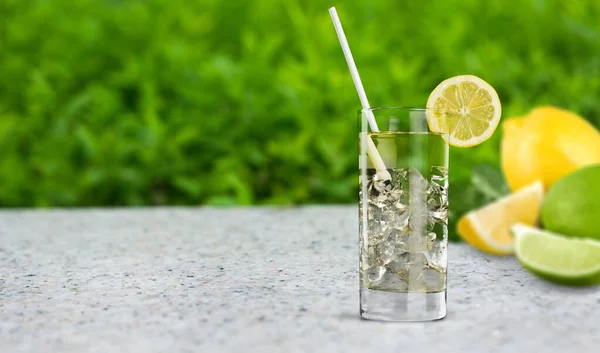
[[546, 145]]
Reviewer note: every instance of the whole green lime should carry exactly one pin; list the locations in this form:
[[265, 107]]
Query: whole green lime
[[572, 205]]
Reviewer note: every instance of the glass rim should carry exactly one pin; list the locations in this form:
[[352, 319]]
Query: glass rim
[[386, 112], [391, 107]]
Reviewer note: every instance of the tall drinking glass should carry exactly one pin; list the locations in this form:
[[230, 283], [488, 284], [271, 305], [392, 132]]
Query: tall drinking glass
[[403, 221]]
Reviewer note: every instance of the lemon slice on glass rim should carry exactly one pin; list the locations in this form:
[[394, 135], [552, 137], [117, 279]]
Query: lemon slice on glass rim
[[466, 110]]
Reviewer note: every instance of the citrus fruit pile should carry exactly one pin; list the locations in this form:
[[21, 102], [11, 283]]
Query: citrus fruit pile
[[551, 162]]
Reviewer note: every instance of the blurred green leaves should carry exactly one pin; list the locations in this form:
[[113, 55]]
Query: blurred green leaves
[[489, 181], [486, 185], [235, 102]]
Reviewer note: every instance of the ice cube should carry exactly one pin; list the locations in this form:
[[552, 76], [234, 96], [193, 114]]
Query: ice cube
[[406, 261], [432, 279], [395, 218], [374, 212], [437, 195], [413, 242], [437, 203], [385, 251], [400, 178], [400, 204], [375, 274], [392, 282], [438, 256], [439, 175], [374, 231], [431, 236]]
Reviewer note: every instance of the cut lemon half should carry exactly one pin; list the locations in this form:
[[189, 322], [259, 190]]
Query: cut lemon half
[[488, 228], [466, 110]]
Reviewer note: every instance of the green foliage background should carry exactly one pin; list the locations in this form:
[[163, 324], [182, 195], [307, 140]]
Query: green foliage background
[[250, 102]]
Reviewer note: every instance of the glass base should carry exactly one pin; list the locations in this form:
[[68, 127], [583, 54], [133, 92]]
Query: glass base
[[395, 306]]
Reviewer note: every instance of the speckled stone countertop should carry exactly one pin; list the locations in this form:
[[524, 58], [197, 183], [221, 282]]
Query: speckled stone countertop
[[252, 280]]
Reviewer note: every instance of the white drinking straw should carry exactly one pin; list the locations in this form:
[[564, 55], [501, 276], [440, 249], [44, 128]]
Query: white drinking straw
[[371, 148]]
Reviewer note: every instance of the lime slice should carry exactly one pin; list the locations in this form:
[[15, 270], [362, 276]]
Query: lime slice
[[466, 110], [572, 261]]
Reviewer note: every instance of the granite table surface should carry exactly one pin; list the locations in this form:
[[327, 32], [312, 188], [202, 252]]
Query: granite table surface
[[252, 280]]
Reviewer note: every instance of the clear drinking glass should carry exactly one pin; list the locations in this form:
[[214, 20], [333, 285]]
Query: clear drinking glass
[[403, 221]]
